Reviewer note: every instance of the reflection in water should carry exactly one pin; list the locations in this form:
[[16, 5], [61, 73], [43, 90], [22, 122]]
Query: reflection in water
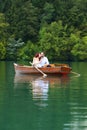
[[40, 91], [40, 86], [61, 103], [60, 106], [52, 80]]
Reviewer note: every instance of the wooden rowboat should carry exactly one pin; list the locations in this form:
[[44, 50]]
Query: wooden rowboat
[[60, 70]]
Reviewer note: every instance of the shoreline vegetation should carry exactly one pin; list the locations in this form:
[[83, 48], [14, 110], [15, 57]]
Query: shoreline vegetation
[[59, 28]]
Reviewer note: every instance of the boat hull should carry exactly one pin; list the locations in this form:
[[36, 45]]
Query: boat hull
[[24, 69]]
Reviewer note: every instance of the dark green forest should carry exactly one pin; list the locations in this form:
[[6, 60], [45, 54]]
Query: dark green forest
[[57, 27]]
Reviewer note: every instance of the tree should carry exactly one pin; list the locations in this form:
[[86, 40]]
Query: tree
[[2, 51], [80, 49], [53, 39], [48, 13], [12, 48], [62, 25], [3, 28], [23, 21], [28, 51]]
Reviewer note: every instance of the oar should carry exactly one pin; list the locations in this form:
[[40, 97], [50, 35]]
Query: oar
[[44, 75], [75, 73]]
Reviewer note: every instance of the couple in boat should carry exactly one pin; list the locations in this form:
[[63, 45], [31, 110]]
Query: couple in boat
[[40, 60]]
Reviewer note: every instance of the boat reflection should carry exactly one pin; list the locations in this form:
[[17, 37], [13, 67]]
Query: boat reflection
[[40, 86], [52, 80]]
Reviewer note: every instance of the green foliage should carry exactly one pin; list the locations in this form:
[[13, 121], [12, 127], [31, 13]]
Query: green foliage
[[23, 21], [3, 28], [28, 51], [2, 51], [80, 49], [57, 27], [53, 39], [12, 48], [65, 46], [48, 13]]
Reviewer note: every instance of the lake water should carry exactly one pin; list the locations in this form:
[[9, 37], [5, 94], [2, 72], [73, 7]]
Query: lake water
[[37, 103]]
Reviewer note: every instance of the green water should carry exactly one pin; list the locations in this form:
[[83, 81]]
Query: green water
[[36, 103]]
